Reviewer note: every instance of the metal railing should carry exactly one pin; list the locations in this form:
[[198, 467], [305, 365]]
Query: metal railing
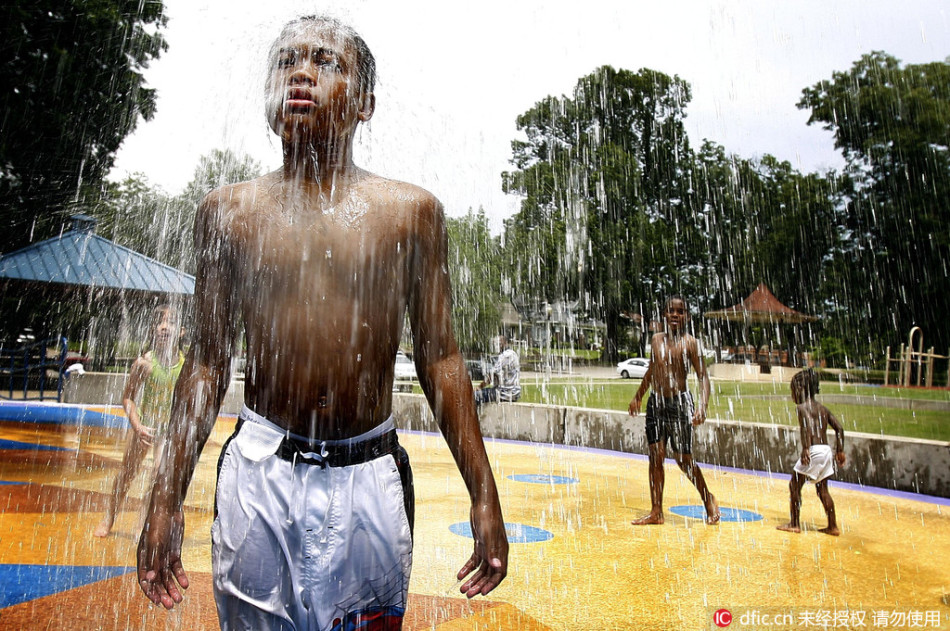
[[32, 371]]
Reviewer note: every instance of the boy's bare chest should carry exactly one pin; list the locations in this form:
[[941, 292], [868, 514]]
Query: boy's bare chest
[[290, 256], [674, 352]]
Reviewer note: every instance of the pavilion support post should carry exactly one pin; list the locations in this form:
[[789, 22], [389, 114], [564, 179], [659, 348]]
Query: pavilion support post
[[887, 366], [929, 382], [905, 367]]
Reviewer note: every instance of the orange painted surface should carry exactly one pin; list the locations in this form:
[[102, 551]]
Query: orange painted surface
[[596, 571]]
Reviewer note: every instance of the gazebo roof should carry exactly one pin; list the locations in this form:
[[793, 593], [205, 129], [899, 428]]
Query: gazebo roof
[[759, 307], [79, 257]]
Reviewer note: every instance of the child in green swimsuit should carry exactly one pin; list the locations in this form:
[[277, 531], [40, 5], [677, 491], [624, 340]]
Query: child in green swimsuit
[[147, 400]]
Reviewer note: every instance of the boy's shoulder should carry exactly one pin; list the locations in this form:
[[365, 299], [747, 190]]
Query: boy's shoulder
[[394, 200], [241, 191], [812, 406], [403, 206], [232, 200], [397, 191], [681, 338]]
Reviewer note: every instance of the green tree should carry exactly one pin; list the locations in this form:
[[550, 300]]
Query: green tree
[[475, 269], [73, 90], [765, 222], [144, 218], [892, 124], [129, 211], [606, 218], [218, 168]]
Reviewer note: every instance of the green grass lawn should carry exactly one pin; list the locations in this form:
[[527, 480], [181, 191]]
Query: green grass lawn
[[759, 403]]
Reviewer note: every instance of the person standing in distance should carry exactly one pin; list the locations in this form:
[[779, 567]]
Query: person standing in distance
[[671, 413]]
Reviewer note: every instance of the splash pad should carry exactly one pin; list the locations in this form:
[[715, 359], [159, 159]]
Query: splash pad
[[594, 571]]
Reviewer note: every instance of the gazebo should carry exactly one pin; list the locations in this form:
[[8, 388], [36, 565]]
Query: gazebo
[[82, 268], [79, 258], [762, 308]]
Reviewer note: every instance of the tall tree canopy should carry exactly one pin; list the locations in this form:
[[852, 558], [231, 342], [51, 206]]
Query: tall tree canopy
[[763, 221], [604, 175], [892, 123], [73, 89], [148, 220], [476, 280]]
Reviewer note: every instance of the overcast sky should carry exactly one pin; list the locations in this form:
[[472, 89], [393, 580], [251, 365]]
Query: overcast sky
[[454, 76]]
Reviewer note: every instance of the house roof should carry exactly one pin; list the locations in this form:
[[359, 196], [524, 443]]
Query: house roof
[[81, 257], [509, 315], [761, 306]]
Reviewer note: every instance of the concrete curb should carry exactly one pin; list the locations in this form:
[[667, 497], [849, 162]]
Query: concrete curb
[[904, 464]]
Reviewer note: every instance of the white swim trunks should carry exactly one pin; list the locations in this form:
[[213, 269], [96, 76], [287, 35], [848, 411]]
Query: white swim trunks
[[306, 538], [821, 463]]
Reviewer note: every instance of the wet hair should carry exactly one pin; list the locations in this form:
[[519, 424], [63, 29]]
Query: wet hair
[[365, 61], [669, 300], [806, 382]]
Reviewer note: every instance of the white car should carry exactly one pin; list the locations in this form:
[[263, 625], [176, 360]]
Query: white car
[[405, 369], [635, 367]]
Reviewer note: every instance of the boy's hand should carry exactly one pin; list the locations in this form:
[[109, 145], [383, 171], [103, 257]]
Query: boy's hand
[[489, 561], [145, 434], [806, 458], [841, 458], [159, 558], [634, 408], [699, 417]]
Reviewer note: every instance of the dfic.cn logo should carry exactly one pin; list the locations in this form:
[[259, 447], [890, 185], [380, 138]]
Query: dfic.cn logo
[[722, 618]]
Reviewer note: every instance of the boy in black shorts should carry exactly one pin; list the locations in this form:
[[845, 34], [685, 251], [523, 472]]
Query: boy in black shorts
[[670, 410]]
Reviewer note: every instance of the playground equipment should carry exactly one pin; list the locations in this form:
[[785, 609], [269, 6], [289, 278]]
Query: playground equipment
[[913, 361]]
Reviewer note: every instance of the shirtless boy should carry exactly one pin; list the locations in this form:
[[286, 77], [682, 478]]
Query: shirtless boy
[[670, 413], [816, 462], [320, 260]]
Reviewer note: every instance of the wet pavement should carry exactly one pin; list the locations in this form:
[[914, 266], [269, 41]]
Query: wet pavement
[[576, 561]]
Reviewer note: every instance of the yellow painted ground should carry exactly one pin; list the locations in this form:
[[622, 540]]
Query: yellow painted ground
[[890, 565]]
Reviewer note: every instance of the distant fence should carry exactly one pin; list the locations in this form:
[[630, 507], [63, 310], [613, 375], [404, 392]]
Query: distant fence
[[33, 371]]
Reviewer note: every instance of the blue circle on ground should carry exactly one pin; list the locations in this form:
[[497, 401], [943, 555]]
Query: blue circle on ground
[[535, 478], [517, 533], [726, 514]]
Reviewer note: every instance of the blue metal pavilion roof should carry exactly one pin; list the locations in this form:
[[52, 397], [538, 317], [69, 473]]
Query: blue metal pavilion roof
[[81, 257]]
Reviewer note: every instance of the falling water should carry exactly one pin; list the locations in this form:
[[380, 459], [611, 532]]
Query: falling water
[[611, 201]]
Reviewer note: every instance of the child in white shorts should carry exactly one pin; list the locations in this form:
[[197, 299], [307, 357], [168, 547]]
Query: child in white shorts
[[312, 535]]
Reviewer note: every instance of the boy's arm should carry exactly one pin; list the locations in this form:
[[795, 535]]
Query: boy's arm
[[141, 369], [695, 357], [634, 408], [198, 394], [444, 380]]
